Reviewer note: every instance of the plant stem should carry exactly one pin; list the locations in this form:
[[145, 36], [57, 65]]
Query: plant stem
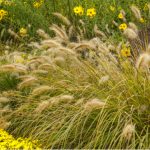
[[69, 4], [54, 5]]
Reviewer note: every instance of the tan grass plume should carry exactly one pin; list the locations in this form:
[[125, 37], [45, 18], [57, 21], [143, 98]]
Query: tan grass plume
[[42, 34], [143, 61], [28, 82], [130, 33], [42, 106], [41, 90], [136, 12], [128, 131], [59, 32], [63, 18], [94, 104]]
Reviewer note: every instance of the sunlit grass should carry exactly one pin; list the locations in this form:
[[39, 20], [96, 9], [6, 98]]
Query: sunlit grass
[[81, 82]]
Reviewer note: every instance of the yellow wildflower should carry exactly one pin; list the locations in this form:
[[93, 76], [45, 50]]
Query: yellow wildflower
[[91, 12], [123, 26], [37, 4], [120, 16], [112, 8], [3, 13], [142, 20], [125, 52], [23, 32], [78, 10]]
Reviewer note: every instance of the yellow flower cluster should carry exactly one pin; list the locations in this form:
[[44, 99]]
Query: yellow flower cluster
[[79, 10], [3, 13], [6, 2], [7, 141], [37, 4]]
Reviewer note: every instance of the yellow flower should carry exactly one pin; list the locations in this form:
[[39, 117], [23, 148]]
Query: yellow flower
[[112, 8], [36, 4], [78, 10], [123, 26], [125, 52], [142, 20], [120, 16], [23, 32], [3, 13], [91, 12]]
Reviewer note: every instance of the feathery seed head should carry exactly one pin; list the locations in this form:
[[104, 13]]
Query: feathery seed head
[[130, 33], [62, 98], [42, 34], [28, 82], [63, 18], [128, 131], [7, 68], [4, 100], [104, 79], [94, 104], [42, 106], [143, 61], [41, 90], [40, 72], [59, 61], [4, 124], [136, 12], [133, 27]]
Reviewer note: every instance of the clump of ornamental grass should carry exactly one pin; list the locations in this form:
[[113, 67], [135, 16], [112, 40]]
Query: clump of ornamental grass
[[62, 118], [85, 97]]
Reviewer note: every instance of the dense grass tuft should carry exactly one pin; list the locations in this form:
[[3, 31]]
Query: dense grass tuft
[[74, 82]]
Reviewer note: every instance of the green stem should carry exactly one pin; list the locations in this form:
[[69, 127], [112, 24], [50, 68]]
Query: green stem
[[69, 4], [54, 5]]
